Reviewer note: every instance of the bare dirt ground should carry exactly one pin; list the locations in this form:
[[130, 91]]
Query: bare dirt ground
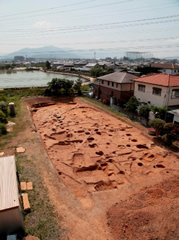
[[110, 181]]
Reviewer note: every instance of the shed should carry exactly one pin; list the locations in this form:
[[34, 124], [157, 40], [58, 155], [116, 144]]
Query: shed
[[11, 220]]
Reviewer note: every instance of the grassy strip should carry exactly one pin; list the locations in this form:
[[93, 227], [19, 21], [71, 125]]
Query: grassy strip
[[42, 221], [101, 105]]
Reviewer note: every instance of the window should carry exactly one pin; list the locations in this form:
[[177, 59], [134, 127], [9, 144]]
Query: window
[[102, 81], [141, 88], [108, 83], [112, 84], [116, 84], [175, 93], [157, 91]]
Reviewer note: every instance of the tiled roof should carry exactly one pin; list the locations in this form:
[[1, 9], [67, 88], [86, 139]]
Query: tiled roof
[[165, 65], [160, 79], [118, 77]]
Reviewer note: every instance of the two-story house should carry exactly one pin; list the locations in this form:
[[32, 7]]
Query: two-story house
[[158, 90], [117, 85], [168, 68]]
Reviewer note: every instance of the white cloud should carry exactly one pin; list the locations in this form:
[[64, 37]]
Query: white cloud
[[175, 40], [42, 25]]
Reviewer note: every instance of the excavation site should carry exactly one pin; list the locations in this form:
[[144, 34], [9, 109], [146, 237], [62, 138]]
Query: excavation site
[[114, 182]]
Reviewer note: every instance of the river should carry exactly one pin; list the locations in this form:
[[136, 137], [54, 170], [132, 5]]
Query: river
[[30, 79]]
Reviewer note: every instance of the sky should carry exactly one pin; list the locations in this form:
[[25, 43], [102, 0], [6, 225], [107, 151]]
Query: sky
[[100, 26]]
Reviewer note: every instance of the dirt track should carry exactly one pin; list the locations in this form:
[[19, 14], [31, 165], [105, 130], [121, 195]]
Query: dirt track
[[114, 182]]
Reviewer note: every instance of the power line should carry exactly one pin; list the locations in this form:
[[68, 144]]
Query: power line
[[102, 24], [77, 9], [51, 8]]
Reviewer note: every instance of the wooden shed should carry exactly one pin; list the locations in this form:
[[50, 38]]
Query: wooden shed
[[11, 220]]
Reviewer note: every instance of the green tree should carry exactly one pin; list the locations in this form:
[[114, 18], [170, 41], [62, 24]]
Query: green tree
[[3, 118], [4, 107], [157, 124], [132, 104], [3, 129], [97, 72], [77, 86], [60, 86], [47, 65], [144, 111]]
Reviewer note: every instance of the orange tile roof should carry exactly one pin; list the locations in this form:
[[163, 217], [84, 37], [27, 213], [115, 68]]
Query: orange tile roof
[[160, 79]]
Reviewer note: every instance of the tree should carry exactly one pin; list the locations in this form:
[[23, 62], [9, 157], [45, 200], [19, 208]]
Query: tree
[[3, 129], [77, 86], [97, 72], [144, 111], [60, 86], [132, 104], [47, 65], [3, 118], [4, 107], [157, 124]]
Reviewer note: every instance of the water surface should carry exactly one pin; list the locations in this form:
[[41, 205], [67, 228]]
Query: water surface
[[29, 79]]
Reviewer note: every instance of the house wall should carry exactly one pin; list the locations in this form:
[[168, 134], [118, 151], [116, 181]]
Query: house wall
[[173, 101], [156, 100], [117, 86], [106, 93], [170, 71]]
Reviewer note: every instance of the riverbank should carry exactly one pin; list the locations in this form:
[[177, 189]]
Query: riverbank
[[90, 79]]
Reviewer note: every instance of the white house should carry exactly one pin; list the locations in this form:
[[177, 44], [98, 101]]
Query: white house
[[168, 68], [157, 90]]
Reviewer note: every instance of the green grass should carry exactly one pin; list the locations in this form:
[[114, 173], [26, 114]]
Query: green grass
[[42, 221], [105, 107]]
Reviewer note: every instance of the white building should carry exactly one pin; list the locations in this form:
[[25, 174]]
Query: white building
[[157, 90]]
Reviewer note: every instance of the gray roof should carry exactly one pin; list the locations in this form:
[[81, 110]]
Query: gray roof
[[118, 77]]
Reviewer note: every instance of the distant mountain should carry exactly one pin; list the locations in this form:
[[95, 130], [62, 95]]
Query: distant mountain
[[49, 52], [43, 52], [176, 57]]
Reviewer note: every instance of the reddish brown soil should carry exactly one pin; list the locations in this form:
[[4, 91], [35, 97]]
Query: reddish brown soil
[[114, 182]]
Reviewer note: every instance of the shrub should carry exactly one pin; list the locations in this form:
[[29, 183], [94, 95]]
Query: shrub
[[132, 104], [168, 127], [3, 98], [159, 111], [3, 107], [168, 138], [144, 111], [162, 112], [3, 129], [3, 118], [175, 144], [157, 124]]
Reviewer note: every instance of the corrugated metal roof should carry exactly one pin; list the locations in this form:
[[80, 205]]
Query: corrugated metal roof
[[8, 183], [160, 79], [118, 77]]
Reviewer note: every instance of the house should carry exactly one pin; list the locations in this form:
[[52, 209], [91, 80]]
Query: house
[[168, 68], [91, 65], [117, 85], [158, 90]]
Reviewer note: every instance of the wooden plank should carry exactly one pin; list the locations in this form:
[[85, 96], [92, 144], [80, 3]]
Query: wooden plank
[[26, 203], [9, 196], [29, 186], [23, 186]]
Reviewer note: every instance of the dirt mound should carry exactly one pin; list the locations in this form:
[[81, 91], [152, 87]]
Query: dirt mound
[[150, 214]]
